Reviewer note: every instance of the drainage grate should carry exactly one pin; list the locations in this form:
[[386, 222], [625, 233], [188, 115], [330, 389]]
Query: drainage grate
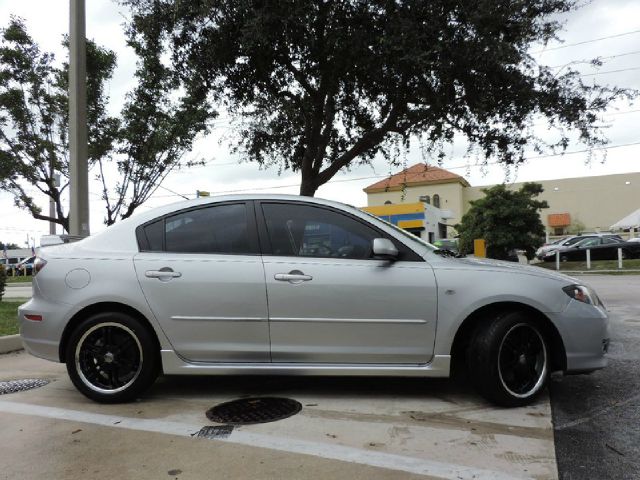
[[217, 431], [248, 411], [13, 386]]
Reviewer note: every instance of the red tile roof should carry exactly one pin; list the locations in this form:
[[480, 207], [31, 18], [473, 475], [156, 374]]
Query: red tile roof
[[419, 174], [559, 219]]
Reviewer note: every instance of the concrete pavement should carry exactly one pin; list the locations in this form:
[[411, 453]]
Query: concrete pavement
[[348, 428]]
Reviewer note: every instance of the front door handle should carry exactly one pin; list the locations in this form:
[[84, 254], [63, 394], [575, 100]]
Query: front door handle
[[165, 273], [294, 276]]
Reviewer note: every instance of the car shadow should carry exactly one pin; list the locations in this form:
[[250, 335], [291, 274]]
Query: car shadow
[[456, 390]]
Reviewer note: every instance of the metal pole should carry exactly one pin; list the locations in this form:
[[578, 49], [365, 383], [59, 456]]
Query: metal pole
[[557, 259], [588, 259], [619, 258], [78, 166]]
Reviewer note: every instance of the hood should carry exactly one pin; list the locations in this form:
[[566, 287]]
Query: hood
[[501, 265]]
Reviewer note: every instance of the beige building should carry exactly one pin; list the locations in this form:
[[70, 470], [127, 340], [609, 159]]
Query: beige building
[[584, 203]]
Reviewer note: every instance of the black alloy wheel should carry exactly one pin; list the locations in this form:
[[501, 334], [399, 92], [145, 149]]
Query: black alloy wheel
[[508, 359], [112, 357], [109, 357], [522, 360]]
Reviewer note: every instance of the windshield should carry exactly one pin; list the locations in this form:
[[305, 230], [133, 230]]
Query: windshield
[[573, 240], [560, 241]]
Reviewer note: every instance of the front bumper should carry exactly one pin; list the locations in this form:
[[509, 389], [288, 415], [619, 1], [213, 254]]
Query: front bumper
[[585, 334]]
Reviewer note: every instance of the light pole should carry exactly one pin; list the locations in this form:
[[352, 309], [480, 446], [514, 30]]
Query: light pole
[[78, 165]]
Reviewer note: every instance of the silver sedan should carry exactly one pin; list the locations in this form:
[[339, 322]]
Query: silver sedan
[[264, 285]]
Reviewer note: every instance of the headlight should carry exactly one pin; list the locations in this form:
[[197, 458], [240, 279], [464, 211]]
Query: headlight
[[582, 294]]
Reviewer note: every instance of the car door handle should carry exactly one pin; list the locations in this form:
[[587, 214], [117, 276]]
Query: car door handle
[[294, 276], [163, 273]]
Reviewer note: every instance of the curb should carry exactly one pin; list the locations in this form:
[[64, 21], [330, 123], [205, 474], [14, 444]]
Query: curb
[[10, 343]]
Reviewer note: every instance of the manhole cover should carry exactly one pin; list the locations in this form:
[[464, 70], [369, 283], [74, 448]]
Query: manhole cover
[[247, 411], [13, 386]]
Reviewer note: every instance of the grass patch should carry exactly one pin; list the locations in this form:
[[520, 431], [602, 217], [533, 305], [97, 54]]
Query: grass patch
[[20, 279], [9, 316], [596, 266]]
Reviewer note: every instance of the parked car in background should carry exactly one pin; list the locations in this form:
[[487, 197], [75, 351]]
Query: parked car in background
[[25, 267], [602, 248], [289, 285], [634, 240], [450, 244], [547, 247], [10, 265], [568, 241]]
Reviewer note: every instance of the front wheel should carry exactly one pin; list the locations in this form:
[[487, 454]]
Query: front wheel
[[112, 357], [508, 359]]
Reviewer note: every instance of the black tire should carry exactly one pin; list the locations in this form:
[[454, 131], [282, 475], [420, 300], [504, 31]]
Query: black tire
[[564, 258], [112, 357], [508, 359]]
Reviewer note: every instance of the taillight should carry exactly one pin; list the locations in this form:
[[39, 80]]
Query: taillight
[[38, 265]]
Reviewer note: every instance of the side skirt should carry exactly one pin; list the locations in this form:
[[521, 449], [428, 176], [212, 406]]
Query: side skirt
[[172, 364]]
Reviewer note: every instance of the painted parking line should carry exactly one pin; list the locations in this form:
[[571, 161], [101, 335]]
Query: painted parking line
[[273, 442]]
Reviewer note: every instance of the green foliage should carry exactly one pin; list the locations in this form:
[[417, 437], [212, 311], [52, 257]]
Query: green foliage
[[34, 118], [506, 219], [319, 85], [10, 246], [576, 227], [146, 142], [3, 280], [9, 317]]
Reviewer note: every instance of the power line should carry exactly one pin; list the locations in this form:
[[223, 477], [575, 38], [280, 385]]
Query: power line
[[609, 57], [175, 193], [586, 41], [609, 71], [454, 167]]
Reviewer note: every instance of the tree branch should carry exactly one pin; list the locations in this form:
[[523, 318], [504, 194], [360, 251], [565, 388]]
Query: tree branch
[[368, 140]]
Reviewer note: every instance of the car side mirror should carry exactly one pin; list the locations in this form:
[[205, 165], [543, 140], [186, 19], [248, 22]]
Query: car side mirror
[[384, 248]]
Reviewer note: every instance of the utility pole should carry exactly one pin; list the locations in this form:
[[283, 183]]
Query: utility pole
[[78, 167]]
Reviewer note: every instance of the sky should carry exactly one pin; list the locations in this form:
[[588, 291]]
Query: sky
[[608, 29]]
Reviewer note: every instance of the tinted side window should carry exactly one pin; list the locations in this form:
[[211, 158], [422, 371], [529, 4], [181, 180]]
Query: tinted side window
[[154, 233], [216, 229], [306, 231], [574, 240]]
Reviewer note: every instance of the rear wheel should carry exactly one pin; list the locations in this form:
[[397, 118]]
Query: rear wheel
[[508, 359], [112, 357]]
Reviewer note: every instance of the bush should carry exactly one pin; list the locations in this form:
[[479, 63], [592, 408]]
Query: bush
[[3, 280]]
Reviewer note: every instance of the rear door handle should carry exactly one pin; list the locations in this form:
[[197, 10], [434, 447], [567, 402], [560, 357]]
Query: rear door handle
[[164, 273], [294, 276]]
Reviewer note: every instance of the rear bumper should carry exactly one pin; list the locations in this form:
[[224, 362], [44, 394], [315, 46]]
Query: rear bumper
[[42, 338]]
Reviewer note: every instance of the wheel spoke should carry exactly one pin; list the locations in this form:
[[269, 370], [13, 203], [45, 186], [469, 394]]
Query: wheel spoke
[[113, 375]]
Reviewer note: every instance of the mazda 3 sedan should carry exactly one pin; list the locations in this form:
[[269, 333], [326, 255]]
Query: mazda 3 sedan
[[287, 285]]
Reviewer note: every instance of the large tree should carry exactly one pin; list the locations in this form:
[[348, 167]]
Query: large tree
[[506, 219], [321, 84], [130, 154]]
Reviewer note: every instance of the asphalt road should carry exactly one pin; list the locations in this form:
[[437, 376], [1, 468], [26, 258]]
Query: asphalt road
[[596, 417]]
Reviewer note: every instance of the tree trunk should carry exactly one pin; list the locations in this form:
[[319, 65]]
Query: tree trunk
[[308, 187]]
